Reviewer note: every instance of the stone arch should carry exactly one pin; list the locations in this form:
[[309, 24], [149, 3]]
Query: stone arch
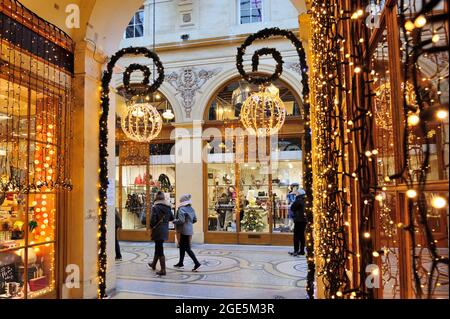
[[291, 78]]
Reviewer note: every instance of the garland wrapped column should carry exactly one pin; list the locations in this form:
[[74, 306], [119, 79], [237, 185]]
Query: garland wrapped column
[[103, 142]]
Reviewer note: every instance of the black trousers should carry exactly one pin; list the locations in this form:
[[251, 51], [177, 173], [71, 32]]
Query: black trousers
[[159, 248], [118, 254], [185, 247], [299, 236]]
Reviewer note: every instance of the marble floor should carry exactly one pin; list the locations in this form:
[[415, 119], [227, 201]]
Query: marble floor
[[227, 272]]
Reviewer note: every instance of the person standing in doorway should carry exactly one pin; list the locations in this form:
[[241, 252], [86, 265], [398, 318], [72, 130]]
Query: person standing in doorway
[[185, 223], [118, 227], [159, 222], [298, 214]]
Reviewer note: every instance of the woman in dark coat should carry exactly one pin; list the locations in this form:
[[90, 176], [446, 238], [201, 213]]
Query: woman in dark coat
[[159, 222]]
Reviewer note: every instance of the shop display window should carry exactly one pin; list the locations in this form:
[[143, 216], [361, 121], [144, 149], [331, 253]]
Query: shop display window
[[137, 185]]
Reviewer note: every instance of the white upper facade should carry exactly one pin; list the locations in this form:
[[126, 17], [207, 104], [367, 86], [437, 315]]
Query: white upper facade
[[209, 19]]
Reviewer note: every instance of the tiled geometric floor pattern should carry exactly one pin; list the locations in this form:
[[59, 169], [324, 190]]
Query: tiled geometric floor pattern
[[227, 272]]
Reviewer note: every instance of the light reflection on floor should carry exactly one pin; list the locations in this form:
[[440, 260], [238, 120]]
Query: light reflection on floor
[[227, 272]]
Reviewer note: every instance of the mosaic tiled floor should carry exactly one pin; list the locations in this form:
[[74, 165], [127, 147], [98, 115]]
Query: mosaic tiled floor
[[227, 271]]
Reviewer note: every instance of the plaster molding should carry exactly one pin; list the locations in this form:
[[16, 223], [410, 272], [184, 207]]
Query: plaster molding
[[188, 82]]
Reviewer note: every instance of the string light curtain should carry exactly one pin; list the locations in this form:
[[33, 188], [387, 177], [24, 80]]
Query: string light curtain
[[352, 203], [36, 67]]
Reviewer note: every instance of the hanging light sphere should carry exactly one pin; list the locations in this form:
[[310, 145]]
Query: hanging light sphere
[[168, 115], [263, 113], [141, 122]]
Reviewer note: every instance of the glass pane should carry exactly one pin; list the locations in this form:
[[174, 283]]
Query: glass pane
[[139, 31], [139, 17], [221, 197], [437, 215], [245, 16], [245, 4], [41, 270], [134, 202], [11, 283], [256, 4], [129, 32], [383, 113], [254, 199]]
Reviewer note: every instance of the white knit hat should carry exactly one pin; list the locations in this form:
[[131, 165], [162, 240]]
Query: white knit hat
[[185, 200]]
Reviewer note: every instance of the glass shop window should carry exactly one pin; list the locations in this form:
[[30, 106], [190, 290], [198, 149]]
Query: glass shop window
[[250, 11]]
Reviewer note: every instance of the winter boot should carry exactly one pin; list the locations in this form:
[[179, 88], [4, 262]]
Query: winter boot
[[162, 262]]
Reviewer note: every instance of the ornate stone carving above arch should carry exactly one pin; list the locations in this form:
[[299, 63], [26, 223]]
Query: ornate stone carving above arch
[[188, 82]]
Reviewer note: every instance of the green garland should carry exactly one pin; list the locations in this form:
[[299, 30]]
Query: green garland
[[103, 144]]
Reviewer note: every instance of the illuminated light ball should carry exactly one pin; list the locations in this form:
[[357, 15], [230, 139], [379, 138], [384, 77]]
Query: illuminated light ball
[[47, 238], [375, 254], [50, 171], [339, 294], [409, 25], [49, 140], [375, 152], [43, 209], [358, 69], [36, 162], [375, 271], [47, 245], [263, 113], [38, 169], [52, 152], [38, 210], [50, 126], [45, 221], [350, 123], [420, 21], [42, 233], [435, 38], [413, 120], [442, 114], [49, 178], [36, 249], [438, 202], [45, 215], [141, 122], [47, 158], [43, 226], [379, 197], [39, 127], [46, 165], [387, 179], [44, 196], [44, 203], [411, 193], [366, 235], [49, 134], [368, 153], [34, 203]]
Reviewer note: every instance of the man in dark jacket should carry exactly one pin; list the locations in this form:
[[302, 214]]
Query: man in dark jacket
[[298, 211], [118, 227]]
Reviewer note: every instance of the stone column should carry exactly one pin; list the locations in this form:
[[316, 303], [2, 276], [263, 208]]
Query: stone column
[[82, 222], [189, 169]]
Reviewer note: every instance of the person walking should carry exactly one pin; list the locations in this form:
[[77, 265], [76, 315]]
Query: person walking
[[159, 222], [118, 227], [185, 224], [298, 212]]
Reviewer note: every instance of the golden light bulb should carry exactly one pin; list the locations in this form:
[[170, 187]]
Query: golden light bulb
[[44, 203], [34, 203], [357, 69], [411, 193], [36, 162], [42, 233], [45, 215], [44, 196], [413, 120], [442, 114], [50, 126], [409, 25], [379, 198], [366, 235], [435, 38], [420, 21], [438, 202]]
